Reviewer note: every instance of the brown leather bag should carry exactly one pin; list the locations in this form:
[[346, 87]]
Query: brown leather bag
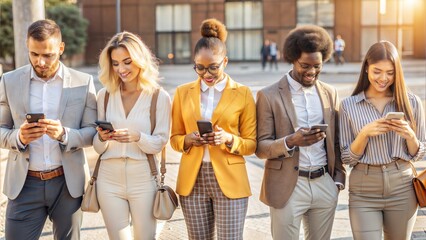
[[419, 183]]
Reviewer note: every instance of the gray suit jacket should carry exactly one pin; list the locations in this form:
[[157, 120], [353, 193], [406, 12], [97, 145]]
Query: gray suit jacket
[[77, 113], [276, 118]]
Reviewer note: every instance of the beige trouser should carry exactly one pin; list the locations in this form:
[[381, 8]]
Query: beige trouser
[[381, 198], [126, 189], [313, 202]]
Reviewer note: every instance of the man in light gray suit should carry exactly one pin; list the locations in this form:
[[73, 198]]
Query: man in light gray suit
[[303, 171], [46, 169]]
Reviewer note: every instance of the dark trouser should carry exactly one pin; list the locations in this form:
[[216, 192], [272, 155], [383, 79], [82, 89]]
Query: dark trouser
[[26, 215], [273, 61]]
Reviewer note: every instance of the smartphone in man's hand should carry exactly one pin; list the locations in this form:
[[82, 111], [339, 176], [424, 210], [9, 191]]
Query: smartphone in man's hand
[[34, 117], [321, 127]]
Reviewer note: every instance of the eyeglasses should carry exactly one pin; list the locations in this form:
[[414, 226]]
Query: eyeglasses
[[213, 69], [305, 66]]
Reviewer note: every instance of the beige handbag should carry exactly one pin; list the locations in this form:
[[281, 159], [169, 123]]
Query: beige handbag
[[90, 199], [166, 201]]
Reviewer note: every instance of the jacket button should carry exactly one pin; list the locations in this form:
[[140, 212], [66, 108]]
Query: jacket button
[[73, 148], [27, 159], [236, 152], [296, 168], [14, 148]]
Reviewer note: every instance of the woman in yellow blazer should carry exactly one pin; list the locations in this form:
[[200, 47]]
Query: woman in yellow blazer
[[212, 181]]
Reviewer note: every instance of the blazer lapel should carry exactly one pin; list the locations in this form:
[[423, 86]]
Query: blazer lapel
[[228, 96], [284, 90], [194, 101], [325, 102], [66, 89], [25, 88]]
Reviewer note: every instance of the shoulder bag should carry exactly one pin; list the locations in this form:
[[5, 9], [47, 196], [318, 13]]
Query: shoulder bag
[[419, 183]]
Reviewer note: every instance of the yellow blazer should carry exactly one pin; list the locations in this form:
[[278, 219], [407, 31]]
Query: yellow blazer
[[236, 114]]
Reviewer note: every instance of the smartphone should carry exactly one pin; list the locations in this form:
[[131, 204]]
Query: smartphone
[[34, 117], [105, 125], [394, 115], [321, 127], [204, 127]]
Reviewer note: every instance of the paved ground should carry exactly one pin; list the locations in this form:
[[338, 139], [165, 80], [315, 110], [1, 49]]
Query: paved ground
[[257, 221]]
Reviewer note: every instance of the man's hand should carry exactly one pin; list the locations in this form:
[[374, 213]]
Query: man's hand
[[304, 137], [54, 128], [29, 132]]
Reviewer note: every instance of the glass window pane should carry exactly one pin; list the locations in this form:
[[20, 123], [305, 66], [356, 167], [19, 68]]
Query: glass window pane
[[368, 38], [164, 46], [253, 17], [406, 13], [234, 45], [390, 16], [163, 16], [306, 12], [252, 39], [234, 15], [389, 34], [369, 12], [325, 13], [182, 17], [407, 41], [182, 48]]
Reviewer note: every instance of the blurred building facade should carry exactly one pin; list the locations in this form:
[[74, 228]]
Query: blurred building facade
[[171, 27]]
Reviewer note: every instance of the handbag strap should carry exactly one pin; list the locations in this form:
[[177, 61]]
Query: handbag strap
[[98, 162], [151, 161], [414, 169]]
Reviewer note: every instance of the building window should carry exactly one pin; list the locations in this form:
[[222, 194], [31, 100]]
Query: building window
[[244, 21], [173, 28], [316, 12], [394, 25]]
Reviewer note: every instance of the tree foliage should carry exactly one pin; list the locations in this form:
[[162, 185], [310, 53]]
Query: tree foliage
[[6, 29], [73, 27]]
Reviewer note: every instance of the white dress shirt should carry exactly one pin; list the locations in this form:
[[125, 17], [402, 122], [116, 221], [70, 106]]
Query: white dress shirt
[[307, 104], [45, 96], [210, 97]]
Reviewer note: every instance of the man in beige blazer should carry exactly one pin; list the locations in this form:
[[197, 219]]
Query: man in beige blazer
[[303, 171], [46, 169]]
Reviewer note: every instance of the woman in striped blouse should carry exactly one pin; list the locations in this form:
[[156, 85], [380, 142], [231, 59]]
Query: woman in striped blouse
[[381, 196]]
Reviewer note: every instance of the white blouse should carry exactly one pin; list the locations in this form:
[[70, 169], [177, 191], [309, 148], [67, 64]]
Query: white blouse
[[138, 119]]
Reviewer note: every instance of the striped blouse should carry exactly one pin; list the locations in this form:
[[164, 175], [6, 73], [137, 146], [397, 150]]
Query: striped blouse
[[356, 111]]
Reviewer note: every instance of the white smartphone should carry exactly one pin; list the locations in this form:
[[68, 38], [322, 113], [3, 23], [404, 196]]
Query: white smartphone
[[394, 115]]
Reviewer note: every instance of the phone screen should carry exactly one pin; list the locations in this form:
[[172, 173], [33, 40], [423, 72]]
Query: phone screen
[[34, 117], [105, 125], [204, 127]]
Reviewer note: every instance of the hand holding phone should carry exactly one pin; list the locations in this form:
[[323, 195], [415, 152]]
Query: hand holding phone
[[105, 125], [34, 117], [394, 115], [321, 127], [204, 127]]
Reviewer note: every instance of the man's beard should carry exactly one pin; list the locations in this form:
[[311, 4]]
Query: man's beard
[[46, 73]]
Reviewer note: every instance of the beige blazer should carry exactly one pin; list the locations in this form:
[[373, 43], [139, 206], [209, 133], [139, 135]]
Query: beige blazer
[[77, 112], [277, 119]]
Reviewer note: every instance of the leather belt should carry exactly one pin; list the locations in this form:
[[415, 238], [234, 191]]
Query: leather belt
[[47, 175], [314, 174]]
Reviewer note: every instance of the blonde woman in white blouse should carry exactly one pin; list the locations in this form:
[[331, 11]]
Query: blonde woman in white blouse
[[126, 188]]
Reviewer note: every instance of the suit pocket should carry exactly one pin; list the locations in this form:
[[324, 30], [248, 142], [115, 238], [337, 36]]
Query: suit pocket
[[236, 160], [273, 164]]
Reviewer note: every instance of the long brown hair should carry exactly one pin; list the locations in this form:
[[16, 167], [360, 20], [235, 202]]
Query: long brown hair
[[380, 51]]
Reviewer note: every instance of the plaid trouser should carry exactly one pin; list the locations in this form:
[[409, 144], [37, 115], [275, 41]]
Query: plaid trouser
[[207, 205]]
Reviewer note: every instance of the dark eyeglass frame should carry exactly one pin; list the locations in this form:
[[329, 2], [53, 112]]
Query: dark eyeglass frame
[[305, 66], [213, 68]]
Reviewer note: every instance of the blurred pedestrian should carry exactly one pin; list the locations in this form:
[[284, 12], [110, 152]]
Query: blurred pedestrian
[[125, 186], [303, 171], [381, 195], [47, 168], [265, 53], [274, 53], [212, 182], [339, 47]]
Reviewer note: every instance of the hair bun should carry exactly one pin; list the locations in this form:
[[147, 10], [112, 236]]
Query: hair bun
[[214, 28]]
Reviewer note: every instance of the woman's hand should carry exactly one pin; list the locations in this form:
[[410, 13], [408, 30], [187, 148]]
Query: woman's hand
[[104, 135], [402, 128], [375, 128], [193, 139], [219, 137], [125, 135]]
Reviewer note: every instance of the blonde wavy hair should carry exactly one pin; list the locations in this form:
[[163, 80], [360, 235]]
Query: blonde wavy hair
[[141, 56]]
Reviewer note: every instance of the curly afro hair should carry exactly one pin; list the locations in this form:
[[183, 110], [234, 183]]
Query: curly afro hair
[[214, 35], [307, 39]]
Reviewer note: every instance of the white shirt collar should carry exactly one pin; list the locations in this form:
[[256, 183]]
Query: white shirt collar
[[296, 86], [59, 73], [218, 86]]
